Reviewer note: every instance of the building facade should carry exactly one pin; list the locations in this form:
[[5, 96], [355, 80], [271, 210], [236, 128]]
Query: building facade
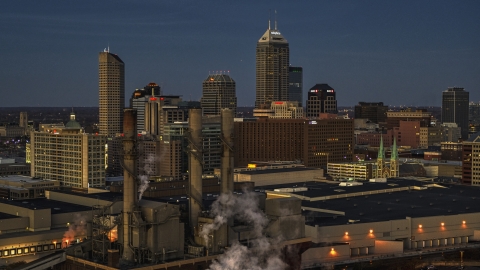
[[111, 73], [374, 111], [272, 68], [69, 156], [455, 108], [471, 161], [314, 143], [218, 93], [321, 99], [295, 84]]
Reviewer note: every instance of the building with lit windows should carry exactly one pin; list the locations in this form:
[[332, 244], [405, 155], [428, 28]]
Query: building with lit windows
[[471, 160], [218, 93], [295, 84], [68, 155], [321, 99], [455, 108], [272, 68], [312, 142]]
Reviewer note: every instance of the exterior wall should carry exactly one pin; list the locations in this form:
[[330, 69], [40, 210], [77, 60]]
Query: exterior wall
[[14, 224], [471, 163], [64, 219], [408, 134], [218, 93], [111, 90], [374, 111], [317, 256], [355, 171], [73, 158], [409, 233], [265, 179], [373, 139], [430, 136], [39, 219], [394, 118], [312, 142]]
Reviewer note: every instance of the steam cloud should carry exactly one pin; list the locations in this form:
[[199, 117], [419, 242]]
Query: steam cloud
[[144, 179], [263, 252]]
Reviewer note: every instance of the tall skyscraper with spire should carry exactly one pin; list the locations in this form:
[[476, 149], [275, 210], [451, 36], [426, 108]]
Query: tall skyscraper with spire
[[111, 90], [111, 86], [272, 63]]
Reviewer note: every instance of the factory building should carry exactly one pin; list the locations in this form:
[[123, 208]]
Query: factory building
[[383, 218], [16, 187]]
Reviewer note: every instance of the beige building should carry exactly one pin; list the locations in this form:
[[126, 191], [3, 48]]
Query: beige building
[[471, 160], [17, 187], [281, 110], [430, 136], [68, 155], [352, 170]]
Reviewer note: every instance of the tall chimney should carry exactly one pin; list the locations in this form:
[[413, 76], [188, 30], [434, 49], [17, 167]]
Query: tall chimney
[[226, 185], [195, 160], [130, 194]]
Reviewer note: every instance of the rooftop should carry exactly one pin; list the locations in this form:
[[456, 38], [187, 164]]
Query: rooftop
[[282, 170], [57, 207]]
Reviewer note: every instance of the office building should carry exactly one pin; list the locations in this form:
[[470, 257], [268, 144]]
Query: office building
[[218, 93], [471, 161], [272, 68], [314, 143], [422, 116], [321, 99], [138, 100], [450, 132], [161, 110], [455, 108], [474, 113], [111, 73], [281, 109], [376, 112], [430, 136], [295, 84], [68, 155]]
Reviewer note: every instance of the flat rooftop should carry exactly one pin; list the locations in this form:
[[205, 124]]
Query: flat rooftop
[[43, 203], [106, 196], [282, 170], [25, 179]]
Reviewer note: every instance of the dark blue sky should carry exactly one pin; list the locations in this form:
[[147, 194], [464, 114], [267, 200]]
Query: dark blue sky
[[398, 52]]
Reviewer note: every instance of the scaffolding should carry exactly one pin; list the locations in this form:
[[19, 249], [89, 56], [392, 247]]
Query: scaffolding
[[102, 225]]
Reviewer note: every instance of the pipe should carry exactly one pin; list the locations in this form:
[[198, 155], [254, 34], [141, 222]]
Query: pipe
[[130, 196]]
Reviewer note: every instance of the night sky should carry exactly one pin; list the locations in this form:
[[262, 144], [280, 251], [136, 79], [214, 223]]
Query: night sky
[[398, 52]]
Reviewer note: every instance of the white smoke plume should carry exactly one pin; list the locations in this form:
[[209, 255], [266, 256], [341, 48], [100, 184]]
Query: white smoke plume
[[262, 253], [144, 179]]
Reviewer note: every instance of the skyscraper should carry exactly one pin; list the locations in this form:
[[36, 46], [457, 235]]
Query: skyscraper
[[218, 93], [455, 108], [295, 84], [321, 99], [272, 62], [111, 74]]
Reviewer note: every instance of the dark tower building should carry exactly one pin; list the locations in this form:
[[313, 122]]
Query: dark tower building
[[321, 99], [111, 74], [374, 111], [139, 99], [272, 62], [455, 108], [218, 93], [295, 84]]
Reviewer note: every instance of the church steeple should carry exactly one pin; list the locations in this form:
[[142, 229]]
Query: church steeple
[[381, 153], [394, 155]]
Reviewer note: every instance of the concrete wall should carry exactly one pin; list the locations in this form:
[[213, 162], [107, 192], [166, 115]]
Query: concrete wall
[[316, 256], [32, 239], [359, 233], [39, 219], [388, 247], [275, 178], [61, 220], [14, 224], [85, 201]]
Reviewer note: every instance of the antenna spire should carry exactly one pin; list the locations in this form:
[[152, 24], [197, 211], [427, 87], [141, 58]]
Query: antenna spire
[[275, 19], [269, 15]]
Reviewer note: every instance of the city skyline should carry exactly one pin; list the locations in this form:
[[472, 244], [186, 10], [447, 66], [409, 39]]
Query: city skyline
[[396, 53]]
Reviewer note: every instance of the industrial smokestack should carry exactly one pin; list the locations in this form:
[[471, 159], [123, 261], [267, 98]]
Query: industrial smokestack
[[226, 185], [129, 178], [195, 160]]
